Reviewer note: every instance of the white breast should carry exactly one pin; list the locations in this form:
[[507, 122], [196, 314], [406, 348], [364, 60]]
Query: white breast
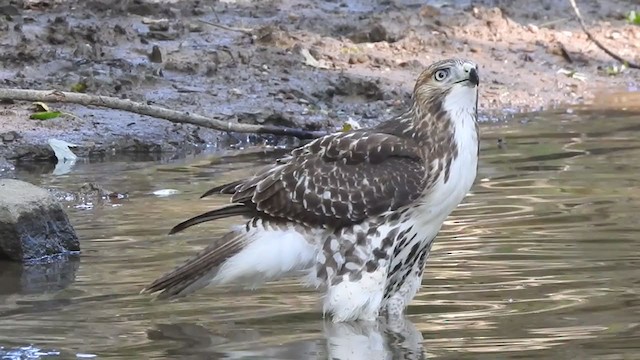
[[445, 196]]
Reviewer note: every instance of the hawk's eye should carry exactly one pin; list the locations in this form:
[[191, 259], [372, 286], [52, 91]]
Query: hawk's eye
[[441, 74]]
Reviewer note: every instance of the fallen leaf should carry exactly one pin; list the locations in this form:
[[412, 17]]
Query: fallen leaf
[[311, 61], [45, 115], [573, 74], [61, 149], [165, 192], [634, 17], [350, 124], [40, 106], [66, 158]]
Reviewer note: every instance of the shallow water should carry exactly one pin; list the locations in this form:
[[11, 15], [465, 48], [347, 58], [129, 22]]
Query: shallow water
[[542, 261]]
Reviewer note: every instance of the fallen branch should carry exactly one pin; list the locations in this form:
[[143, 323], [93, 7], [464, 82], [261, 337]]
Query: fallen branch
[[154, 111], [598, 43]]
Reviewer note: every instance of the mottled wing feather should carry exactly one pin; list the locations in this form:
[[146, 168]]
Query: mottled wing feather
[[336, 180]]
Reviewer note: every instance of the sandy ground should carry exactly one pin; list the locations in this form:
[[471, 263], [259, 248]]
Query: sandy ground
[[302, 63]]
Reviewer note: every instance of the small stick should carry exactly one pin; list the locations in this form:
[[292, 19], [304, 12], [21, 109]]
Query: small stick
[[553, 22], [228, 28]]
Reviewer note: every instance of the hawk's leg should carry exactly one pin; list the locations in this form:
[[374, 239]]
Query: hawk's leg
[[357, 296], [398, 301], [354, 265]]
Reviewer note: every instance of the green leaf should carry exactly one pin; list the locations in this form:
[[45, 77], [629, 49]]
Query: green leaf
[[79, 87], [615, 69], [45, 115]]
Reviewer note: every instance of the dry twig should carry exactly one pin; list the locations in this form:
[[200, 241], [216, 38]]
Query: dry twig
[[229, 28], [598, 43], [153, 111]]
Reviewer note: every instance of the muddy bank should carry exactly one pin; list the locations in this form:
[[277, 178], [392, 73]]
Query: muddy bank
[[301, 63]]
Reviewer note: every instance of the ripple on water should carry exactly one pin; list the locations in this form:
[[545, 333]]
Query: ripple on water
[[540, 262]]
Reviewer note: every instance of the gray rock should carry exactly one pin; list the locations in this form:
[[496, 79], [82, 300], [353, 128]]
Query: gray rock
[[9, 10], [5, 166], [33, 224], [37, 278], [156, 55]]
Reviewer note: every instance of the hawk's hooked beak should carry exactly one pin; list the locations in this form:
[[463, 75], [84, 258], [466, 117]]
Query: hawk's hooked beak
[[472, 79], [473, 74]]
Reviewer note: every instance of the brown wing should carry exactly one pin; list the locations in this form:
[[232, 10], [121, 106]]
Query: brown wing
[[336, 180]]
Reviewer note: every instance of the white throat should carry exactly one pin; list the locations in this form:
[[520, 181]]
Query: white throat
[[461, 102]]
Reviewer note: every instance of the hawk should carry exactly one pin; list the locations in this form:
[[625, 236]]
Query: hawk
[[356, 212]]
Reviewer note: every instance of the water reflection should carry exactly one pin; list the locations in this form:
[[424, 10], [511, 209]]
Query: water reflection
[[37, 278], [398, 339], [379, 340]]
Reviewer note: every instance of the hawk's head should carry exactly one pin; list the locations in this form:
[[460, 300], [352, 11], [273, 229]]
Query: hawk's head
[[449, 85]]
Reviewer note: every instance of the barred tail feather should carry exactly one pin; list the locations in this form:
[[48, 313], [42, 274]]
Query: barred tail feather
[[246, 256], [198, 271]]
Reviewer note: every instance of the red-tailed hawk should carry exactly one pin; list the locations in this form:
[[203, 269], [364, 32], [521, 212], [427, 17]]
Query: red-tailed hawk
[[357, 211]]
